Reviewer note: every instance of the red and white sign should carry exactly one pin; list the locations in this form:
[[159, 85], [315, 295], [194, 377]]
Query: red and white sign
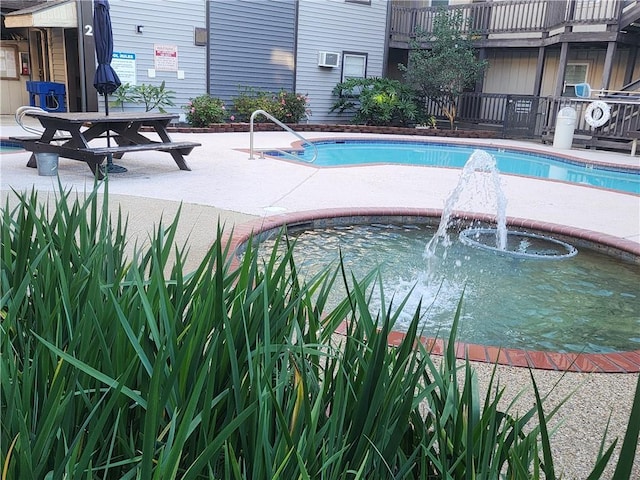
[[166, 57]]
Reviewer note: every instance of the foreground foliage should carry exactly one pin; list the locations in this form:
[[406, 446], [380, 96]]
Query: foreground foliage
[[117, 367]]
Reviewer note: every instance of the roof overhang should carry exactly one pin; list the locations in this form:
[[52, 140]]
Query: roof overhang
[[55, 13]]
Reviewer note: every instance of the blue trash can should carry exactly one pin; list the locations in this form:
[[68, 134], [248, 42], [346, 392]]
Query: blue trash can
[[49, 96]]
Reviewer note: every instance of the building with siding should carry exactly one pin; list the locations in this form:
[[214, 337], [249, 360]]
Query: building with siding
[[251, 46], [538, 48], [264, 45], [155, 42], [162, 38], [356, 31]]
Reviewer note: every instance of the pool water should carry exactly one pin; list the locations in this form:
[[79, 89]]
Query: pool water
[[587, 303], [360, 152], [9, 147]]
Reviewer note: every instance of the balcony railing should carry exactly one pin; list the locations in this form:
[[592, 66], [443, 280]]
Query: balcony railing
[[527, 116], [508, 16]]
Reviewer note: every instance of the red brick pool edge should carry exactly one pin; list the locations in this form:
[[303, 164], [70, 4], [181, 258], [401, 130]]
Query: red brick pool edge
[[616, 362]]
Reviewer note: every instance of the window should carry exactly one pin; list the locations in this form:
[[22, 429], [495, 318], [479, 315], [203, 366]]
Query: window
[[574, 74], [354, 65]]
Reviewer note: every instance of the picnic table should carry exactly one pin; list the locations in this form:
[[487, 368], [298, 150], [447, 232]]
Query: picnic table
[[80, 128]]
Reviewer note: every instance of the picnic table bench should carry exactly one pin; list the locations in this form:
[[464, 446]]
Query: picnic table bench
[[120, 127]]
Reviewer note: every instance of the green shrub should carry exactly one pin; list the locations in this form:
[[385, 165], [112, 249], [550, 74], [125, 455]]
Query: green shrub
[[152, 96], [204, 110], [378, 101], [288, 107], [122, 365]]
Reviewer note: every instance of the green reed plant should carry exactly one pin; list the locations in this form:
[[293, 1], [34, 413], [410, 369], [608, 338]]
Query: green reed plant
[[116, 363]]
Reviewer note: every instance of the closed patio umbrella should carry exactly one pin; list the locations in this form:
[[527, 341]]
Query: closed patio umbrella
[[106, 80]]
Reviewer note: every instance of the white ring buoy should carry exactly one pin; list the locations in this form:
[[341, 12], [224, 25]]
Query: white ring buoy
[[597, 113]]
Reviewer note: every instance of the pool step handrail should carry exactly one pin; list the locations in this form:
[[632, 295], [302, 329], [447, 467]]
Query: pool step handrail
[[285, 127]]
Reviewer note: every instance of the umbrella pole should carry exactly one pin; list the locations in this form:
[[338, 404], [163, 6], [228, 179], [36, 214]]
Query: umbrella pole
[[111, 167]]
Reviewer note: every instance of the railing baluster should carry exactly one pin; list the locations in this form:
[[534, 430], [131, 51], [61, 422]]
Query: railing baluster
[[509, 16]]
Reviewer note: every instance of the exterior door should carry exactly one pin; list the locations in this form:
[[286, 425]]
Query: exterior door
[[521, 116]]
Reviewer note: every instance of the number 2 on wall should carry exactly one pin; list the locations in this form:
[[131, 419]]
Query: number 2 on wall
[[88, 30]]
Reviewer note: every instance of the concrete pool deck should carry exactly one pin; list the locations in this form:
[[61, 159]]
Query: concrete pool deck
[[224, 185]]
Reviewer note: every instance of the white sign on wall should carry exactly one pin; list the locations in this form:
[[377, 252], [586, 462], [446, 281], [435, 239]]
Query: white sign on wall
[[125, 66], [166, 57]]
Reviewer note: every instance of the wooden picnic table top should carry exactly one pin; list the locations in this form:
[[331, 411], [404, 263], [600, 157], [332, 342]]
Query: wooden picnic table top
[[100, 117]]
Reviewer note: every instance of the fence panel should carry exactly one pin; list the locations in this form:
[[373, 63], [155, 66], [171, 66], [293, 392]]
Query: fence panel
[[625, 117], [527, 116]]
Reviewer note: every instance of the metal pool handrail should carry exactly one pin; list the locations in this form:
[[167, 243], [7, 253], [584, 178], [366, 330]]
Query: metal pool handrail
[[290, 130]]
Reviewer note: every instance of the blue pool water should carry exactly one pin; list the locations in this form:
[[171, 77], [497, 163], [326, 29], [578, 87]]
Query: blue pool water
[[7, 146], [340, 153]]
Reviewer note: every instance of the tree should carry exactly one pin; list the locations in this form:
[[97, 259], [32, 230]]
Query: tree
[[444, 71]]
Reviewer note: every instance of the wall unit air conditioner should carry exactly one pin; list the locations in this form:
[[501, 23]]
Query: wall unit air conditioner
[[328, 59]]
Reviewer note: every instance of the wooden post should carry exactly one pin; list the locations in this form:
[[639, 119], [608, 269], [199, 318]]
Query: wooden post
[[562, 66], [608, 65]]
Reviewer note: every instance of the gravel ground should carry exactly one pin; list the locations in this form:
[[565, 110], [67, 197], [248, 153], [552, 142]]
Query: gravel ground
[[593, 399]]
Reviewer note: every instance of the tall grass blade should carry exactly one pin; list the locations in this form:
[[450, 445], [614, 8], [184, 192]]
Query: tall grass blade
[[629, 446]]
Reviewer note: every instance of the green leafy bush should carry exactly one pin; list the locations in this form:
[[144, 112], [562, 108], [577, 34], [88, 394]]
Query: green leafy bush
[[288, 107], [152, 96], [204, 110], [378, 101], [118, 364]]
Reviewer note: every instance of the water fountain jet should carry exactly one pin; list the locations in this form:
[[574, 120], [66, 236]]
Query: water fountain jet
[[482, 166]]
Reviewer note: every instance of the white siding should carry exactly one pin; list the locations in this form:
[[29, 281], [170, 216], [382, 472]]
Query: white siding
[[336, 26], [166, 22]]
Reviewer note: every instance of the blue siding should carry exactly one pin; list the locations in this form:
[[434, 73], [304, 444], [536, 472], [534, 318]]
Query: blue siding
[[252, 44], [337, 26], [167, 22]]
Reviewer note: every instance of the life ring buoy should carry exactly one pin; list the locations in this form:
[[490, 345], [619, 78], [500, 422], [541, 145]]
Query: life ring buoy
[[597, 113]]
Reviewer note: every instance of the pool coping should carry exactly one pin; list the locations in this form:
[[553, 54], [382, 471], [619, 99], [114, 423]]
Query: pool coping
[[615, 362]]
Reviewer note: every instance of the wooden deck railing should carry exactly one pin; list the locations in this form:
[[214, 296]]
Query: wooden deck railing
[[625, 117], [485, 108], [508, 16], [540, 115]]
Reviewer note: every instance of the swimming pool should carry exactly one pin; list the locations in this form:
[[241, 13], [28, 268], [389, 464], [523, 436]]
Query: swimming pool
[[364, 152], [7, 146]]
